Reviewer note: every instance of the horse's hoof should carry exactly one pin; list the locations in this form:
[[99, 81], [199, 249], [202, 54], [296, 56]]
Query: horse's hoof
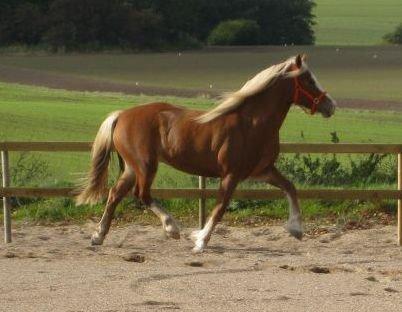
[[174, 235], [296, 233], [171, 229], [194, 235], [198, 250], [96, 240], [295, 228], [198, 241]]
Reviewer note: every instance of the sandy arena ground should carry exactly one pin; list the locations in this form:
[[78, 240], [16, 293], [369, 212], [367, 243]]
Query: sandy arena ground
[[244, 269]]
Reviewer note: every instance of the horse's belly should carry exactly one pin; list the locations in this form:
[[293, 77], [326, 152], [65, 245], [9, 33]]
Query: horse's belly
[[191, 165], [186, 146]]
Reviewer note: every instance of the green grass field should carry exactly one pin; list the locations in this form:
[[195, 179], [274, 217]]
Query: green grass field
[[355, 22], [40, 114], [33, 114], [368, 73]]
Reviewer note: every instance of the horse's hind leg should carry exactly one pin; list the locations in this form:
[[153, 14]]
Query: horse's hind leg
[[116, 194], [144, 182], [168, 222]]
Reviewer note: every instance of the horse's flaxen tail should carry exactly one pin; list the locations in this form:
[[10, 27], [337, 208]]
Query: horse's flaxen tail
[[94, 186]]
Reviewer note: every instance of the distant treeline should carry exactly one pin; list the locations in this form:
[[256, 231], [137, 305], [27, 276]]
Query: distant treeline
[[154, 24]]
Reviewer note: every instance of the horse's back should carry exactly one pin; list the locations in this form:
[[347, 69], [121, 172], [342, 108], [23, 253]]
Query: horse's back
[[149, 110]]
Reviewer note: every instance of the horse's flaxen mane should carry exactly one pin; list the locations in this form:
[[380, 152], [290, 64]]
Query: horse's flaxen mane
[[259, 82]]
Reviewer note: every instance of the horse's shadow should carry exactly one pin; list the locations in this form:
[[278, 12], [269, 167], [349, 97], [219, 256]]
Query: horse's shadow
[[269, 252], [161, 277]]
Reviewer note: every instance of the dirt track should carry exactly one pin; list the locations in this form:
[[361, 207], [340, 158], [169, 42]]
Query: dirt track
[[245, 269], [66, 82]]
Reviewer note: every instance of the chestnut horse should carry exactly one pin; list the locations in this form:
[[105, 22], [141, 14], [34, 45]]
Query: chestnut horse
[[236, 140]]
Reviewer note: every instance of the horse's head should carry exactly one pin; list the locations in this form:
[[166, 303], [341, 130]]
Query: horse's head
[[308, 92]]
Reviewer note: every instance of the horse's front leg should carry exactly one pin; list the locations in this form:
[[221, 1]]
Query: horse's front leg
[[201, 237], [275, 178]]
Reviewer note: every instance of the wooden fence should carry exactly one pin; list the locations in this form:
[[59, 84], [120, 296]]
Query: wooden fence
[[202, 192]]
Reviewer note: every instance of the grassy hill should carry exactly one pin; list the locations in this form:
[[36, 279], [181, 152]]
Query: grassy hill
[[368, 73], [355, 22]]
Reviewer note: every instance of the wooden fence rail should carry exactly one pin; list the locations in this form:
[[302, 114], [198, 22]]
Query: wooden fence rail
[[202, 192]]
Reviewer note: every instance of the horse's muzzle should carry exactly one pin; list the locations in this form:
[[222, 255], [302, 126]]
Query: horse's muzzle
[[327, 107]]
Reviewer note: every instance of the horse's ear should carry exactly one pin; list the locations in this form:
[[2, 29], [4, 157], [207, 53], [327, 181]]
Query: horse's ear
[[299, 61], [304, 57]]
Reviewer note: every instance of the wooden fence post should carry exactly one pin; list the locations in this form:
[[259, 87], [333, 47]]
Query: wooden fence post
[[6, 201], [201, 202], [400, 200]]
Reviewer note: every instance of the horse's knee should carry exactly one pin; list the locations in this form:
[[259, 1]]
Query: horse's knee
[[117, 192], [289, 187], [112, 196], [219, 212], [136, 191], [144, 196]]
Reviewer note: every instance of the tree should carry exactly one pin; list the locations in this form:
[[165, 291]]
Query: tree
[[28, 24], [95, 24], [235, 32], [281, 21], [98, 24], [395, 37], [285, 22], [21, 23]]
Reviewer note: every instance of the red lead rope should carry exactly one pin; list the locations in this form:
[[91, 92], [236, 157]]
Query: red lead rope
[[315, 101]]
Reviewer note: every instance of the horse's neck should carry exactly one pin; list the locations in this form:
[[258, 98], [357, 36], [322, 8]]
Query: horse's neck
[[270, 107]]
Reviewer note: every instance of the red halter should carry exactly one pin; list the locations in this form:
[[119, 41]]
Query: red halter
[[314, 100]]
